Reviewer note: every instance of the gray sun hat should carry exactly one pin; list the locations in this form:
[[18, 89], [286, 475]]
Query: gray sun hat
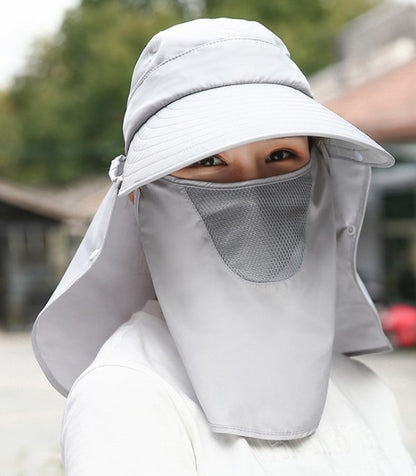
[[200, 88], [209, 85]]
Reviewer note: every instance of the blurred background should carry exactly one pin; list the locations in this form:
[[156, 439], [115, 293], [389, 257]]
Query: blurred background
[[65, 69]]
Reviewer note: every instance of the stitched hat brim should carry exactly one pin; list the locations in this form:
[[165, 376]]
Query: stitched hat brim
[[210, 121]]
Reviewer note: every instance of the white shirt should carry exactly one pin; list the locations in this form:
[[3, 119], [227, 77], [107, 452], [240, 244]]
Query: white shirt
[[133, 412]]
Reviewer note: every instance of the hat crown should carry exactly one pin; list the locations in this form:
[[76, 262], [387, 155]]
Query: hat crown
[[205, 54], [179, 39]]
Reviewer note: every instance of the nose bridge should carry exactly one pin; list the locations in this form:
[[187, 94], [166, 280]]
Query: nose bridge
[[249, 166]]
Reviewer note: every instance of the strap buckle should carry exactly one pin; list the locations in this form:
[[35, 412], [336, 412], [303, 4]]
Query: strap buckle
[[116, 170]]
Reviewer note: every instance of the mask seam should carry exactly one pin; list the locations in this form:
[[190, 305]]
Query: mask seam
[[243, 184], [136, 204], [325, 156], [354, 147], [355, 161], [358, 223], [299, 434]]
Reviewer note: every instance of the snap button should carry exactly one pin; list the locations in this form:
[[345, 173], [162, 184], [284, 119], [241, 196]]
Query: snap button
[[351, 229], [358, 156], [94, 254]]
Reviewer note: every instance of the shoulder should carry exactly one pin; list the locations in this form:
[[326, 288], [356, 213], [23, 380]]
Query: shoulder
[[365, 389], [358, 381], [126, 391], [130, 406], [374, 403], [141, 348], [111, 381], [118, 418], [136, 371]]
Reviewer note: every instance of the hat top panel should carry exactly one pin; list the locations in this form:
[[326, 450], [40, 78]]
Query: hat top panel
[[185, 37], [179, 38]]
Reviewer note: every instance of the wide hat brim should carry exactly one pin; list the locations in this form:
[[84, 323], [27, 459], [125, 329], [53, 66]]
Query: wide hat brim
[[213, 120]]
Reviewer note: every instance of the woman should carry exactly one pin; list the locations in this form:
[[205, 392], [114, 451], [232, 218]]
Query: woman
[[238, 205]]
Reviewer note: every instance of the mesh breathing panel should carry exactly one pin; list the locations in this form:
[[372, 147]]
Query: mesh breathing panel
[[258, 230]]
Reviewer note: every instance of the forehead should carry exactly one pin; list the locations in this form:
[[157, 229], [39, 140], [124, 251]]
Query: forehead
[[292, 141]]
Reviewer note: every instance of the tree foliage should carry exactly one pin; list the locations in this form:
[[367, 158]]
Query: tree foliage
[[70, 102], [62, 118], [308, 27]]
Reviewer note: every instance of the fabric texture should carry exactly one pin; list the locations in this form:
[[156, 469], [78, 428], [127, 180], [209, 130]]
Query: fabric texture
[[133, 412]]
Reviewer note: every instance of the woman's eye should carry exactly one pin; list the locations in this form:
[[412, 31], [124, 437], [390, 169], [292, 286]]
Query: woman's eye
[[210, 161], [280, 154]]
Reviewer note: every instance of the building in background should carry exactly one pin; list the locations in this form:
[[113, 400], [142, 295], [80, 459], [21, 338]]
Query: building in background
[[39, 232], [373, 85]]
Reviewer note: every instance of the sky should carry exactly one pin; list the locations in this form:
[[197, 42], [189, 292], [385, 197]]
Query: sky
[[21, 21]]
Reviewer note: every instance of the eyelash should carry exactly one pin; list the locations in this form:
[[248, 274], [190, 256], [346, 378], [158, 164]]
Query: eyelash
[[212, 157], [290, 155], [203, 162]]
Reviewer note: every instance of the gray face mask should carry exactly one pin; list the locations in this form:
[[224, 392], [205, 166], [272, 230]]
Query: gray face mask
[[258, 228], [245, 276]]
